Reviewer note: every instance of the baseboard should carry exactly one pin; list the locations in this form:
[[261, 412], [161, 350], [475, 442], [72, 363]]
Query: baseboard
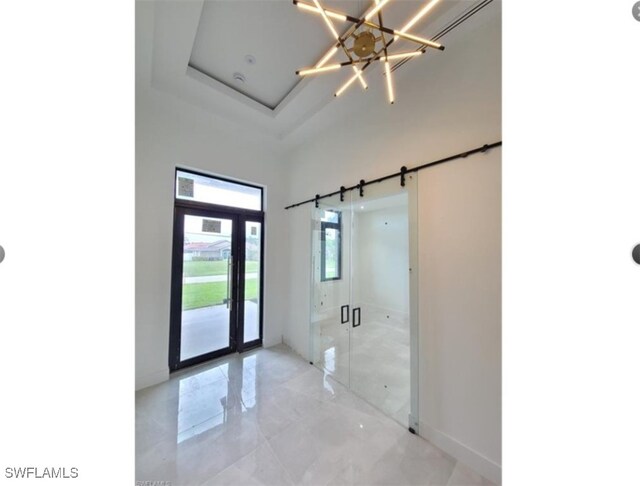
[[271, 342], [151, 379], [473, 459]]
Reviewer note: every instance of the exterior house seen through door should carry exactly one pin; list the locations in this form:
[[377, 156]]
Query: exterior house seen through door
[[216, 283]]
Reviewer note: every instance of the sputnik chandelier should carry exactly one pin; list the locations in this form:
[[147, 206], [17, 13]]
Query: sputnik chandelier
[[365, 43]]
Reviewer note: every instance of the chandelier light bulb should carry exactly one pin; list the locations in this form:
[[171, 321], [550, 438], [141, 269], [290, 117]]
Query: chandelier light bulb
[[360, 77], [330, 67], [421, 40], [387, 71], [346, 85], [333, 15], [376, 9], [403, 55], [326, 20], [424, 11], [327, 56]]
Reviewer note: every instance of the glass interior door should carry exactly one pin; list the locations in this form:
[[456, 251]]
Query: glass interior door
[[252, 291], [208, 291], [380, 329], [330, 289]]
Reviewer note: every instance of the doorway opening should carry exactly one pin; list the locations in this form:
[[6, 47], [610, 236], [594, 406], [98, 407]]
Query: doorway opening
[[217, 279]]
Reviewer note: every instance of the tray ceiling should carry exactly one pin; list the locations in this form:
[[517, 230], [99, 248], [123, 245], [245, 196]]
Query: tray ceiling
[[278, 36], [199, 46]]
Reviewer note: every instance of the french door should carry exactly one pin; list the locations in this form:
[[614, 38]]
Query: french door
[[363, 319], [216, 291]]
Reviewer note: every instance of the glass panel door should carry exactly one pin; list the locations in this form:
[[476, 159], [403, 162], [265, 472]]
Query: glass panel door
[[205, 314], [380, 327], [330, 288], [364, 326], [252, 291]]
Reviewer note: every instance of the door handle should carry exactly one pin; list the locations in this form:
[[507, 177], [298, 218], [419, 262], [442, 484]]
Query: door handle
[[354, 317], [344, 319], [229, 281]]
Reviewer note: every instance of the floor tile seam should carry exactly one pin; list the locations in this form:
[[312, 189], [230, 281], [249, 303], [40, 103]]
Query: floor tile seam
[[311, 395], [200, 423], [293, 423], [194, 370], [159, 425], [378, 419], [166, 435], [156, 401], [286, 471], [294, 412], [232, 464], [179, 394], [455, 464], [202, 389]]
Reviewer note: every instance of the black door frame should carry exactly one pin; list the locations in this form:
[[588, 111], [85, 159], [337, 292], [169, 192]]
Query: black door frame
[[242, 346], [236, 323]]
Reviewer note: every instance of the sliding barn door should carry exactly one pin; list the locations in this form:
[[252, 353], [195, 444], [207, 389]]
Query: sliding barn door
[[364, 323], [380, 338], [331, 287]]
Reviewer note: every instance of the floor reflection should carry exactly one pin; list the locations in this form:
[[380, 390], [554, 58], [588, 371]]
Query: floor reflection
[[207, 399], [373, 359], [330, 360], [268, 417]]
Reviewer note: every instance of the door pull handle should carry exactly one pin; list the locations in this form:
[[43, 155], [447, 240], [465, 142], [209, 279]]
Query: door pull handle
[[356, 309], [344, 319]]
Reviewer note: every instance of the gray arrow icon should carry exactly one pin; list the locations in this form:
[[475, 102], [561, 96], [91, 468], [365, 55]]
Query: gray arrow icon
[[636, 11]]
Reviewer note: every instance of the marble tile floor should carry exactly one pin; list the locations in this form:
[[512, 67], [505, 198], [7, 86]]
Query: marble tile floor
[[267, 417], [373, 360]]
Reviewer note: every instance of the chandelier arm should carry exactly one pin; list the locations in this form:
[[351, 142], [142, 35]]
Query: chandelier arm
[[384, 42], [418, 40], [340, 41], [354, 62], [358, 22], [387, 69], [381, 57]]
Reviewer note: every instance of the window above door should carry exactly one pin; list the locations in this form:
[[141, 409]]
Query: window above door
[[191, 186]]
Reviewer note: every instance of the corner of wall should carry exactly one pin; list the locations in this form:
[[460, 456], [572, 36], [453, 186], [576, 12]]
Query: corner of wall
[[150, 379]]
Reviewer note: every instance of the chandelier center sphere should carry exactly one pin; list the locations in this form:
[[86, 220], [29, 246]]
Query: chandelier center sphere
[[364, 44]]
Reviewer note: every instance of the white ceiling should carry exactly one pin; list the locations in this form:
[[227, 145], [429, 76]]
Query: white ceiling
[[278, 35], [198, 45]]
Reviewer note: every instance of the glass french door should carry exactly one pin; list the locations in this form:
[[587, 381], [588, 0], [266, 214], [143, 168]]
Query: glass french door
[[216, 285], [361, 326]]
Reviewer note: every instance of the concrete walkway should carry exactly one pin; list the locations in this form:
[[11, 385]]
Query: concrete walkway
[[214, 278], [207, 329]]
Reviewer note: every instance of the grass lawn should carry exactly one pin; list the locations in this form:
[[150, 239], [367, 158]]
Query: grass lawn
[[197, 295], [216, 267]]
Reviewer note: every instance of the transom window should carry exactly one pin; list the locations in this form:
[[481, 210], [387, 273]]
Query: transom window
[[212, 190]]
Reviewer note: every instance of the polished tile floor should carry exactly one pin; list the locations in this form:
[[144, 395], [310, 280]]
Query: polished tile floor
[[268, 417], [373, 359]]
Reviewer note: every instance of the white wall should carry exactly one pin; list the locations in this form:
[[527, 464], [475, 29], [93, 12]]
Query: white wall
[[446, 105], [169, 133], [381, 269]]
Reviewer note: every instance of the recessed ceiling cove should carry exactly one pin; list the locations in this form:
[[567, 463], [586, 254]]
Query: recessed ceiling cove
[[255, 48]]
